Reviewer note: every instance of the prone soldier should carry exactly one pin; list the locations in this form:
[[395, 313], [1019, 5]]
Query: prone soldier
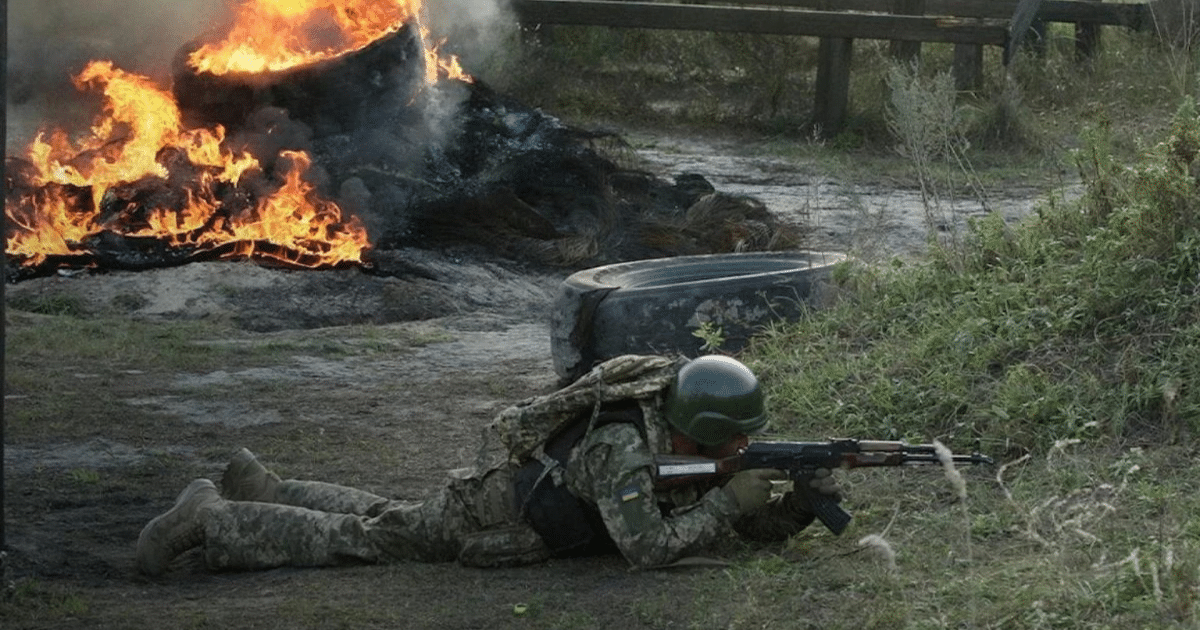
[[588, 489]]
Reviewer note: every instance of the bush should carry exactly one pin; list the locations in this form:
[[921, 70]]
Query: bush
[[1080, 321]]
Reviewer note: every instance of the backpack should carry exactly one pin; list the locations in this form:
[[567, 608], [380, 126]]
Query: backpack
[[539, 432], [526, 426]]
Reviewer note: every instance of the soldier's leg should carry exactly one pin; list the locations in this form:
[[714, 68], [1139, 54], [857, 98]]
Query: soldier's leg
[[246, 479], [256, 535], [251, 535], [176, 530], [328, 497], [483, 512]]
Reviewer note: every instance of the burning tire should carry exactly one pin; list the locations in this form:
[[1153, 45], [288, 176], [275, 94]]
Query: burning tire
[[657, 306]]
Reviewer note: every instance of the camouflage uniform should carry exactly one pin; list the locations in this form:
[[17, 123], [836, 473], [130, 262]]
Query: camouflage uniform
[[318, 524], [479, 520]]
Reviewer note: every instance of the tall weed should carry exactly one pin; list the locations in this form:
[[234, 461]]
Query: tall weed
[[929, 125], [1078, 323]]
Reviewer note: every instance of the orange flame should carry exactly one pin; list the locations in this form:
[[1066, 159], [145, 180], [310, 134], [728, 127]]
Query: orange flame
[[299, 221], [138, 121], [272, 35], [436, 66], [276, 35], [140, 129], [140, 133], [293, 225]]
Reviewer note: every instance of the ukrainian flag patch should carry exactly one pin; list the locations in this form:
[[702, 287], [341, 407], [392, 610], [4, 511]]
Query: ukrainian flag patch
[[629, 493]]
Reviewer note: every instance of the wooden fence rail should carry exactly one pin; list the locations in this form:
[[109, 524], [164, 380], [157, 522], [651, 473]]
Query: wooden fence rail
[[968, 24], [761, 20]]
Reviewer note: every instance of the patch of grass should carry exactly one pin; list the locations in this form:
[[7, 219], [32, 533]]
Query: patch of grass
[[1066, 345], [660, 76], [61, 304], [64, 371], [1068, 540], [1080, 321], [84, 476], [113, 342], [31, 602]]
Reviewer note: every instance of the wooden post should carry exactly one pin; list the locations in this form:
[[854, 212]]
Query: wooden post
[[905, 51], [833, 84], [1087, 39], [968, 67]]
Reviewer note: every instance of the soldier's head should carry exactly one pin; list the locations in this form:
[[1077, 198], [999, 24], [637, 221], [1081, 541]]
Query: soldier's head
[[714, 400]]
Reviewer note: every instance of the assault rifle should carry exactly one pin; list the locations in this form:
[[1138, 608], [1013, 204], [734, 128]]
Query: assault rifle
[[800, 459]]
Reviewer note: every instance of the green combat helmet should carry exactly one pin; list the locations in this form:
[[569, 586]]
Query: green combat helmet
[[715, 398]]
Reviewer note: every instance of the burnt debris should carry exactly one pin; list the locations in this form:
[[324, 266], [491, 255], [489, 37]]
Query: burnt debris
[[455, 164]]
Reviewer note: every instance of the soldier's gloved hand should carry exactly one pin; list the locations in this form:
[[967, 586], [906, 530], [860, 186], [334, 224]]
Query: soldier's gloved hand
[[752, 488], [820, 484]]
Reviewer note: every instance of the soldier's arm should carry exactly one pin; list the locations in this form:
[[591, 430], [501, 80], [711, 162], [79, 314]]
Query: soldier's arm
[[780, 519], [617, 477]]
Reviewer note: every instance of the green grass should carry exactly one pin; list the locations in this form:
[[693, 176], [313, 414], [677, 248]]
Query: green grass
[[1082, 537], [1069, 347], [31, 602], [1079, 322]]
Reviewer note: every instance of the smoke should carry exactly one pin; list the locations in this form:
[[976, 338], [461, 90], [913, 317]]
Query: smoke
[[472, 29], [52, 40]]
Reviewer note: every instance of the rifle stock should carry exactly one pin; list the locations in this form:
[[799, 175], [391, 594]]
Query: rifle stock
[[801, 459]]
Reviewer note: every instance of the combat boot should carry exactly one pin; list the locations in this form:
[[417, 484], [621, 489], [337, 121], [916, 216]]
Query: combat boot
[[245, 479], [178, 529]]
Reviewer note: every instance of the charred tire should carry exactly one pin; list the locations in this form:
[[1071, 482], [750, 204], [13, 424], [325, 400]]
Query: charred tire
[[656, 306]]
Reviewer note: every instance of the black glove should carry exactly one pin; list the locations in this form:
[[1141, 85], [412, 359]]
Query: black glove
[[752, 488], [779, 520]]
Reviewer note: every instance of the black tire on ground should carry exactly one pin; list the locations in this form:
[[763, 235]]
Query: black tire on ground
[[656, 306]]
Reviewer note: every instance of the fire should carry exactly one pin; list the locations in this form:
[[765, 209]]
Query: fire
[[436, 66], [277, 35], [297, 220], [139, 120], [139, 172], [79, 186], [272, 35]]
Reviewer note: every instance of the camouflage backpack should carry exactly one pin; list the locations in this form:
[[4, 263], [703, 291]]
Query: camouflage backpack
[[524, 427]]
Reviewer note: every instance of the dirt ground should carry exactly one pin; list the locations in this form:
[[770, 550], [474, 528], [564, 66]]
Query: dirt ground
[[393, 422], [388, 407]]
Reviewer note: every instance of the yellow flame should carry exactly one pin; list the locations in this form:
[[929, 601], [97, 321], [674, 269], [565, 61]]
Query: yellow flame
[[126, 143]]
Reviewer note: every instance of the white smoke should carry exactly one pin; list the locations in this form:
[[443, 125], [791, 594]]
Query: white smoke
[[49, 41], [472, 29]]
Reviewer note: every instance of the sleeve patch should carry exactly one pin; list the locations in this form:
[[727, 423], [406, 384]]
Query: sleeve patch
[[629, 493]]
